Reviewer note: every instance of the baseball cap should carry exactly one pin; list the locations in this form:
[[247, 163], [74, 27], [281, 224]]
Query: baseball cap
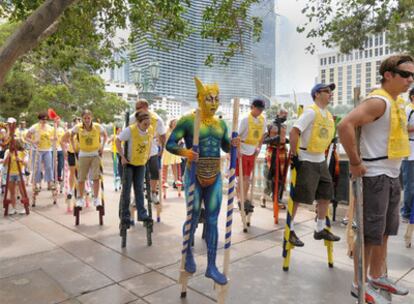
[[11, 120], [321, 86], [258, 103]]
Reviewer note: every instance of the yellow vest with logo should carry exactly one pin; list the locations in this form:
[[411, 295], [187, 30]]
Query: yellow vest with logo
[[322, 131], [140, 146], [44, 135], [89, 141], [14, 170], [254, 130], [398, 143]]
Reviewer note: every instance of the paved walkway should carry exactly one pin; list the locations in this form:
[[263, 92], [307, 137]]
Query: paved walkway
[[44, 258]]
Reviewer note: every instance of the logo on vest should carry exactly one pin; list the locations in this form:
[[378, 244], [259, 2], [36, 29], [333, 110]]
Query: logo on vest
[[256, 134], [89, 141], [323, 133]]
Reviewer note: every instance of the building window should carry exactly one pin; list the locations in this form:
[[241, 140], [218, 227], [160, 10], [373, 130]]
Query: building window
[[321, 61], [349, 83], [331, 75], [323, 76], [370, 53], [358, 75], [367, 77], [377, 66], [340, 84], [376, 52]]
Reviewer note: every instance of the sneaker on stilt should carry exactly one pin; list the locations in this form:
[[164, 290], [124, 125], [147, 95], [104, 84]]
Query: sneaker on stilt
[[386, 284], [326, 235], [294, 240], [80, 202], [372, 296], [97, 202]]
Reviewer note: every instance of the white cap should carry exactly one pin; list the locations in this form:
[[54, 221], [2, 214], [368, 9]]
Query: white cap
[[11, 120]]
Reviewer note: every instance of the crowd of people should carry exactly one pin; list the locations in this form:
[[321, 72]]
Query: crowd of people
[[386, 141]]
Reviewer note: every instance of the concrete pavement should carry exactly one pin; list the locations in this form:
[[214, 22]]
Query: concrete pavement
[[45, 258]]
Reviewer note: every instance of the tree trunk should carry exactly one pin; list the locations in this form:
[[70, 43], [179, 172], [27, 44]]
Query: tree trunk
[[38, 26]]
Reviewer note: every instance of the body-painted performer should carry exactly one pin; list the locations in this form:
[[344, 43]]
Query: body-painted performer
[[251, 131], [275, 138], [208, 184], [315, 128], [384, 143]]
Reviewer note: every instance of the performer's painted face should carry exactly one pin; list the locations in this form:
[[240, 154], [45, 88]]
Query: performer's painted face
[[208, 98]]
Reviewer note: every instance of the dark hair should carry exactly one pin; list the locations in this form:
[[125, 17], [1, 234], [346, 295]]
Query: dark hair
[[142, 115], [389, 64], [42, 115], [411, 93]]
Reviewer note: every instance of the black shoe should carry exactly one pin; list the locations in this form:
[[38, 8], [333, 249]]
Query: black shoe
[[143, 218], [294, 240], [325, 234], [248, 207]]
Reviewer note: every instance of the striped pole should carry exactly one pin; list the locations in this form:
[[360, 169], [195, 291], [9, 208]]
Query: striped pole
[[287, 247], [184, 275], [222, 290], [101, 208], [329, 244]]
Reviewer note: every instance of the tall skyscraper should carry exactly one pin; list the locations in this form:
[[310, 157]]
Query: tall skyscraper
[[179, 65], [264, 51]]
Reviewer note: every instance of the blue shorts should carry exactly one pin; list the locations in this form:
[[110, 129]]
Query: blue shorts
[[14, 178]]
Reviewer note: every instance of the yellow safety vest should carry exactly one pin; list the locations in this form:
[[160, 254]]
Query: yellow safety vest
[[89, 141], [141, 146], [14, 170], [44, 134], [254, 130], [322, 131], [398, 143]]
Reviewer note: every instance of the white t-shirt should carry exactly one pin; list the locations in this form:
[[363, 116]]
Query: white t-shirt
[[244, 130], [75, 130], [410, 123], [159, 130], [305, 125], [126, 135]]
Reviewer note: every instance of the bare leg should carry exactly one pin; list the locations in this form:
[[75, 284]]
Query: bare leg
[[378, 257], [322, 208], [96, 185]]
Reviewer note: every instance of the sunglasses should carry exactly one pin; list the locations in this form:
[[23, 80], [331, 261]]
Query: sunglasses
[[403, 74]]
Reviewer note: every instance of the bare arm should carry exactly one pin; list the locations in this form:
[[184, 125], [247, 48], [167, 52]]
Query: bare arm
[[294, 139], [365, 113]]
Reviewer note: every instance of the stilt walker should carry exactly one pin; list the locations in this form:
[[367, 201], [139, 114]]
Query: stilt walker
[[223, 289], [21, 184], [184, 275], [117, 178], [287, 246]]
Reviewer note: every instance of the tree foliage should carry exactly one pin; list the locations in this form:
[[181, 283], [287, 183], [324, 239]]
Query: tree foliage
[[348, 23], [95, 22]]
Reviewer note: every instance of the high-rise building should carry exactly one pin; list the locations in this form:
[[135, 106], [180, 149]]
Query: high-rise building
[[179, 65], [264, 51], [359, 68]]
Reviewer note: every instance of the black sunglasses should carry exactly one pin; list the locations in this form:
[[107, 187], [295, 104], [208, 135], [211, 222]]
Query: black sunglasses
[[402, 73]]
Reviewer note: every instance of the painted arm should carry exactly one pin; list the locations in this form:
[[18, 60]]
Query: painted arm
[[225, 141], [180, 131]]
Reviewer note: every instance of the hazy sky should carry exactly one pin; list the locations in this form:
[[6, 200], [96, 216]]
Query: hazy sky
[[295, 69]]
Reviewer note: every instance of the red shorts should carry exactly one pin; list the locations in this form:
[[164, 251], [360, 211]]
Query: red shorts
[[247, 164]]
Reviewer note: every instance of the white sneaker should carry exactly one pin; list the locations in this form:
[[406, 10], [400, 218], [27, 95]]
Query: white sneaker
[[154, 198], [12, 211], [80, 202], [97, 202], [21, 211]]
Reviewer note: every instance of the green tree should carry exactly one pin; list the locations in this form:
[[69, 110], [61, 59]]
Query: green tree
[[348, 23], [272, 112], [62, 24]]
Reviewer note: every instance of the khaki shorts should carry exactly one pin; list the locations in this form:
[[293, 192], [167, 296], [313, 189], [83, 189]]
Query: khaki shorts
[[89, 163], [381, 207], [313, 182]]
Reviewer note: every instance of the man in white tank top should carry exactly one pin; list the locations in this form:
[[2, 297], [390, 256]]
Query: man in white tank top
[[379, 165]]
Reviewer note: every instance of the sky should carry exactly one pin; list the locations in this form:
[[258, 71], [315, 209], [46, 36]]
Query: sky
[[296, 70]]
